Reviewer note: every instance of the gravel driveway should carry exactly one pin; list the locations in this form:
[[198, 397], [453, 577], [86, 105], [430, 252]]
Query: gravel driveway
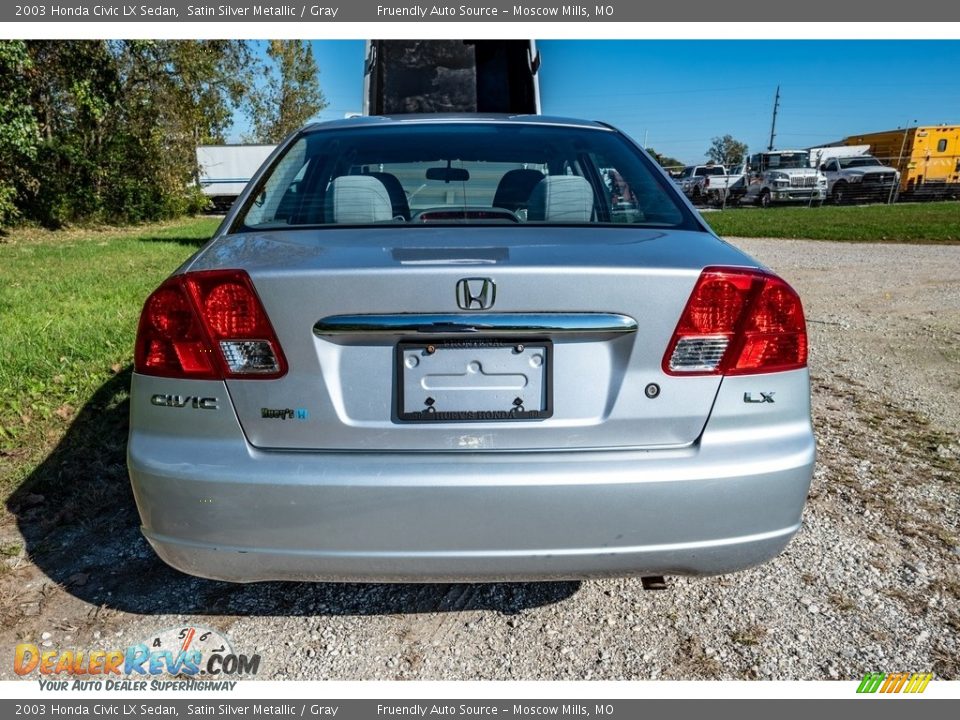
[[871, 583]]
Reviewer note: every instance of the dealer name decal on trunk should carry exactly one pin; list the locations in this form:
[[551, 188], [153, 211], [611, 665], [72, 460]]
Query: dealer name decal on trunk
[[284, 413]]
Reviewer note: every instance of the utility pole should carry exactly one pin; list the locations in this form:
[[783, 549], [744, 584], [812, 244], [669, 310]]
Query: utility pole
[[773, 124]]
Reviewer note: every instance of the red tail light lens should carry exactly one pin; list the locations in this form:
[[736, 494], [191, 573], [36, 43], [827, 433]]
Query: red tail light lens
[[230, 309], [715, 306], [169, 313], [207, 325], [738, 322], [170, 340]]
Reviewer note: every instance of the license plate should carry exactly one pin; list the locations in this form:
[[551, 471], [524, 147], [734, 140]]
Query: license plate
[[474, 381]]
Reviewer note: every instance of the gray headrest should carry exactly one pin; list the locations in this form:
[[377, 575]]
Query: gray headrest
[[357, 199], [514, 188], [561, 198]]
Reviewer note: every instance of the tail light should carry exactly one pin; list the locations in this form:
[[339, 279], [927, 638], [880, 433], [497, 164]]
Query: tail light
[[738, 322], [706, 181], [207, 325]]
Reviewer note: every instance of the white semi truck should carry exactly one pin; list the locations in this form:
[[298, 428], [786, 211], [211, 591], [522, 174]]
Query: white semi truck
[[783, 176]]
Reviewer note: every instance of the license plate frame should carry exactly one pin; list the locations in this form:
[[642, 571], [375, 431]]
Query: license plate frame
[[503, 352]]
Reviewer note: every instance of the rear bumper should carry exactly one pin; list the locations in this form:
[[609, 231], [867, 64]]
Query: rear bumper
[[222, 509], [251, 565]]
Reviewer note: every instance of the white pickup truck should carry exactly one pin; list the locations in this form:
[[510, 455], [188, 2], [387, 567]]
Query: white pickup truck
[[783, 176], [707, 184], [855, 175]]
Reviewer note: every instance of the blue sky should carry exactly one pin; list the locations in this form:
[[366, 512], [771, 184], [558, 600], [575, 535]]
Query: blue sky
[[680, 94]]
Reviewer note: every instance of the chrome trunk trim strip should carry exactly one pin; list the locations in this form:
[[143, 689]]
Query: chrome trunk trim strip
[[514, 325]]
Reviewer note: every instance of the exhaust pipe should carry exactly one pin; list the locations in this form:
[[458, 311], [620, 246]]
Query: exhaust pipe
[[653, 582]]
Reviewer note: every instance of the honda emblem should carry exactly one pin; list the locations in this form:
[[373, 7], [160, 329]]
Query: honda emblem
[[476, 293]]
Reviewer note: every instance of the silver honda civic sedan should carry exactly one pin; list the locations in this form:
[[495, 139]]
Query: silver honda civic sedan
[[464, 348]]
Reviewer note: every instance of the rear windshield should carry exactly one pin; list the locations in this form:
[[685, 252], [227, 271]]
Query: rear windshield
[[473, 174]]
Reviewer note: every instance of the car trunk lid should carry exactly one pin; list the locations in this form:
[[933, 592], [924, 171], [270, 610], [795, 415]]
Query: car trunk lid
[[562, 349]]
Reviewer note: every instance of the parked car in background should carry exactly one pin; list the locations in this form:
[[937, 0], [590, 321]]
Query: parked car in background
[[458, 348], [707, 184], [783, 176]]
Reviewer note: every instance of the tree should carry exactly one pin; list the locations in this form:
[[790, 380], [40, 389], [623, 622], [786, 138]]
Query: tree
[[119, 122], [74, 91], [726, 150], [179, 94], [290, 94], [18, 128], [107, 130], [665, 160]]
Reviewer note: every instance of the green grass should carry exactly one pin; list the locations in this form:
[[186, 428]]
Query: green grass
[[69, 305], [915, 223]]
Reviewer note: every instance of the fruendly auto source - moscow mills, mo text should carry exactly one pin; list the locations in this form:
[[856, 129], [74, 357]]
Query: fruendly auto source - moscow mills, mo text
[[158, 10], [519, 11]]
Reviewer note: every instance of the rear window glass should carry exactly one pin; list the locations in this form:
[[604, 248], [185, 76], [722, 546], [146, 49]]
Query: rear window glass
[[462, 174]]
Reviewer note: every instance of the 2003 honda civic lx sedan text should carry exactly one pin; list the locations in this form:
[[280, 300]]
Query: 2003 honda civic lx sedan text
[[468, 348]]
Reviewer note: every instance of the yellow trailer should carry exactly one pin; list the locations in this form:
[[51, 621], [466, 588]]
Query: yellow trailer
[[928, 158]]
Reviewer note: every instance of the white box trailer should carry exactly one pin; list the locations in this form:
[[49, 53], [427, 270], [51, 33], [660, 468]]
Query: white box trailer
[[225, 170], [820, 155]]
